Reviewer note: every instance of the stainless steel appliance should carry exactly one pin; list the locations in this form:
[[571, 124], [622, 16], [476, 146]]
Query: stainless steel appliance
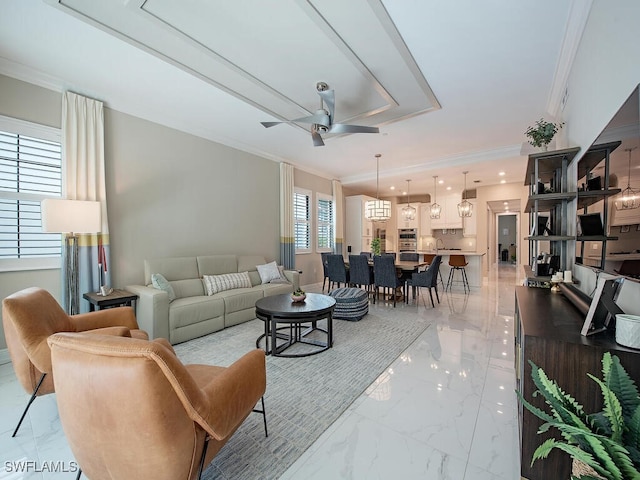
[[408, 240]]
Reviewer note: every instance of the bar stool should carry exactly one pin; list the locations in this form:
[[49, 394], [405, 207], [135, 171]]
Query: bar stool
[[458, 262]]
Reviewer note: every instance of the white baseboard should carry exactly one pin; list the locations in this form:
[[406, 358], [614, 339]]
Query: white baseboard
[[4, 356]]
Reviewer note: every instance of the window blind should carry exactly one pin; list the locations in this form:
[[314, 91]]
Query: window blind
[[302, 214]]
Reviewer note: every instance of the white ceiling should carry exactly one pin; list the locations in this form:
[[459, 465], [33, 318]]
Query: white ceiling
[[452, 85]]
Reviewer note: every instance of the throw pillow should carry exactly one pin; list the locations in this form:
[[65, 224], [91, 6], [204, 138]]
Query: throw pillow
[[158, 281], [268, 272], [282, 279], [227, 281]]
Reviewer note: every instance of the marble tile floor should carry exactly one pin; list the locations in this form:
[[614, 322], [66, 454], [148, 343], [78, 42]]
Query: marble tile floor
[[444, 410]]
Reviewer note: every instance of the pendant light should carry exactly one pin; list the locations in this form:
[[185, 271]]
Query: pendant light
[[465, 209], [434, 211], [377, 210], [630, 197], [408, 212]]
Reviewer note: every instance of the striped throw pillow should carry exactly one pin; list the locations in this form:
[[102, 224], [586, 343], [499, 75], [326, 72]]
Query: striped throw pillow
[[218, 283]]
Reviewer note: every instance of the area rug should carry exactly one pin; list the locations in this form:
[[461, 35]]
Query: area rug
[[304, 395]]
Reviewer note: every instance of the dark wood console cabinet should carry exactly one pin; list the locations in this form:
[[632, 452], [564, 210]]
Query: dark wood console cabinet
[[547, 331]]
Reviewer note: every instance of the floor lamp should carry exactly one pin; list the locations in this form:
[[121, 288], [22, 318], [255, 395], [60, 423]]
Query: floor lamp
[[71, 217]]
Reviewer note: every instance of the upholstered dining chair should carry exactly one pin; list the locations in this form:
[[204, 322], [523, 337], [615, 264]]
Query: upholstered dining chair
[[31, 315], [337, 270], [428, 257], [360, 272], [385, 275], [427, 279], [130, 408], [325, 270]]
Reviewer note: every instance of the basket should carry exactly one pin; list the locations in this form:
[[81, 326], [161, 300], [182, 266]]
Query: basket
[[579, 469], [628, 330]]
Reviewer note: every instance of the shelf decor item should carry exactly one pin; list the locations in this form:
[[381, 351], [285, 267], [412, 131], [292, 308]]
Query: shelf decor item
[[542, 133], [628, 330], [608, 441]]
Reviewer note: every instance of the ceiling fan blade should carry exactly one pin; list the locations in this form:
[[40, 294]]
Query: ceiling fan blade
[[271, 124], [329, 98], [316, 118], [317, 139], [342, 128]]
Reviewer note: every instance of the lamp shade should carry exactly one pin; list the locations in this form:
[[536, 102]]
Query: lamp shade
[[377, 210], [70, 216]]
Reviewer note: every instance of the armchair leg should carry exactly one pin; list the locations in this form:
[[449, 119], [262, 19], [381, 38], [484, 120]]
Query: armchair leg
[[33, 397], [204, 454], [79, 474], [264, 416]]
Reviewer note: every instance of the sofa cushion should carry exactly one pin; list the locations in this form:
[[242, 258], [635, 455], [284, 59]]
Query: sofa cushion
[[217, 265], [158, 281], [240, 299], [268, 272], [192, 310], [191, 287], [228, 281]]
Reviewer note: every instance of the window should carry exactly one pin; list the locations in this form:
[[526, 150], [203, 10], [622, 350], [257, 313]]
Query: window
[[325, 223], [302, 218], [30, 170]]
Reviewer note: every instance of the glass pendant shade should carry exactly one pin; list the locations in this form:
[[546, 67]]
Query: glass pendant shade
[[408, 212], [629, 197], [377, 210], [435, 209], [465, 208]]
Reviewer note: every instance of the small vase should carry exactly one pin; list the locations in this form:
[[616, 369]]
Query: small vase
[[298, 298]]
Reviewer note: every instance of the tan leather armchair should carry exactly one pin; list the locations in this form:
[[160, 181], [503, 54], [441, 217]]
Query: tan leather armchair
[[130, 409], [31, 315]]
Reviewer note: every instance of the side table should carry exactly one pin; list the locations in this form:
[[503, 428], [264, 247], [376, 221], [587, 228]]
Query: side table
[[116, 298]]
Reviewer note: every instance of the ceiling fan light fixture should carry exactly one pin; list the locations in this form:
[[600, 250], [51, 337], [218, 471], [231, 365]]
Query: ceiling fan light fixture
[[435, 209], [465, 208], [408, 212], [629, 197], [377, 210]]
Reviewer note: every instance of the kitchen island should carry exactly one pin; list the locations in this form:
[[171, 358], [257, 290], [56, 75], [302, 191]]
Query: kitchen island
[[473, 269]]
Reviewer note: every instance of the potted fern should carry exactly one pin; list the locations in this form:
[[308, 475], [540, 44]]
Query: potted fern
[[603, 445]]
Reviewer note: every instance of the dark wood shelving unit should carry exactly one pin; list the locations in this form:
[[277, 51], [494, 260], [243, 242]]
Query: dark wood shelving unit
[[546, 201], [589, 197]]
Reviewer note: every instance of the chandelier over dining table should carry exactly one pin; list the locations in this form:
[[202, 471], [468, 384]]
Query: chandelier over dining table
[[377, 210]]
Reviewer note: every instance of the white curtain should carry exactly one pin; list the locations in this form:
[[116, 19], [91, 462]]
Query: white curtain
[[83, 153], [338, 217], [287, 236]]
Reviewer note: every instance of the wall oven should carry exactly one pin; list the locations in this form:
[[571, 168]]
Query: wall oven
[[407, 240]]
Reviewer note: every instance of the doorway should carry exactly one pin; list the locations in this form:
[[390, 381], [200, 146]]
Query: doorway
[[507, 238]]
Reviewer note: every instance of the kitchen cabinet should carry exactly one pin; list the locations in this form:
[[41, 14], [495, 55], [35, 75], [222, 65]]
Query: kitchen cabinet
[[358, 231], [469, 223], [449, 218], [425, 219], [402, 223]]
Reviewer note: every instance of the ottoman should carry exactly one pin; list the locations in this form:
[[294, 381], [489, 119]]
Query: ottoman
[[351, 303]]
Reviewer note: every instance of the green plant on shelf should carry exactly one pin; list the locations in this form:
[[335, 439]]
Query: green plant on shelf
[[375, 246], [542, 133], [607, 441]]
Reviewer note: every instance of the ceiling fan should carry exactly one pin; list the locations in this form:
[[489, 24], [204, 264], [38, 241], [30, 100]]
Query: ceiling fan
[[322, 120]]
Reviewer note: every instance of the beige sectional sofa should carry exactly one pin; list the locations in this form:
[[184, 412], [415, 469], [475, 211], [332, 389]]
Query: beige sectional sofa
[[193, 313]]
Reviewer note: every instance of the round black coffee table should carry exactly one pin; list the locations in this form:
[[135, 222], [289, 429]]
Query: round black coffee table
[[280, 309]]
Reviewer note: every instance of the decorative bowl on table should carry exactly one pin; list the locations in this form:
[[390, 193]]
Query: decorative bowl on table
[[298, 296]]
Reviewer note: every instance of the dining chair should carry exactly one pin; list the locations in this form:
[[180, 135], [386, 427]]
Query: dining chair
[[385, 276], [367, 254], [337, 270], [457, 264], [427, 279], [360, 273], [428, 257], [323, 257]]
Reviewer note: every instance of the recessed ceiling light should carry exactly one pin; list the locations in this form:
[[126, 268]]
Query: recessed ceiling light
[[503, 181], [392, 187], [502, 174], [440, 182], [505, 203], [448, 188]]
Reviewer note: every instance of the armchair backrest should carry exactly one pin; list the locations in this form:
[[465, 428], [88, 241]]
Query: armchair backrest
[[324, 256], [29, 317]]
